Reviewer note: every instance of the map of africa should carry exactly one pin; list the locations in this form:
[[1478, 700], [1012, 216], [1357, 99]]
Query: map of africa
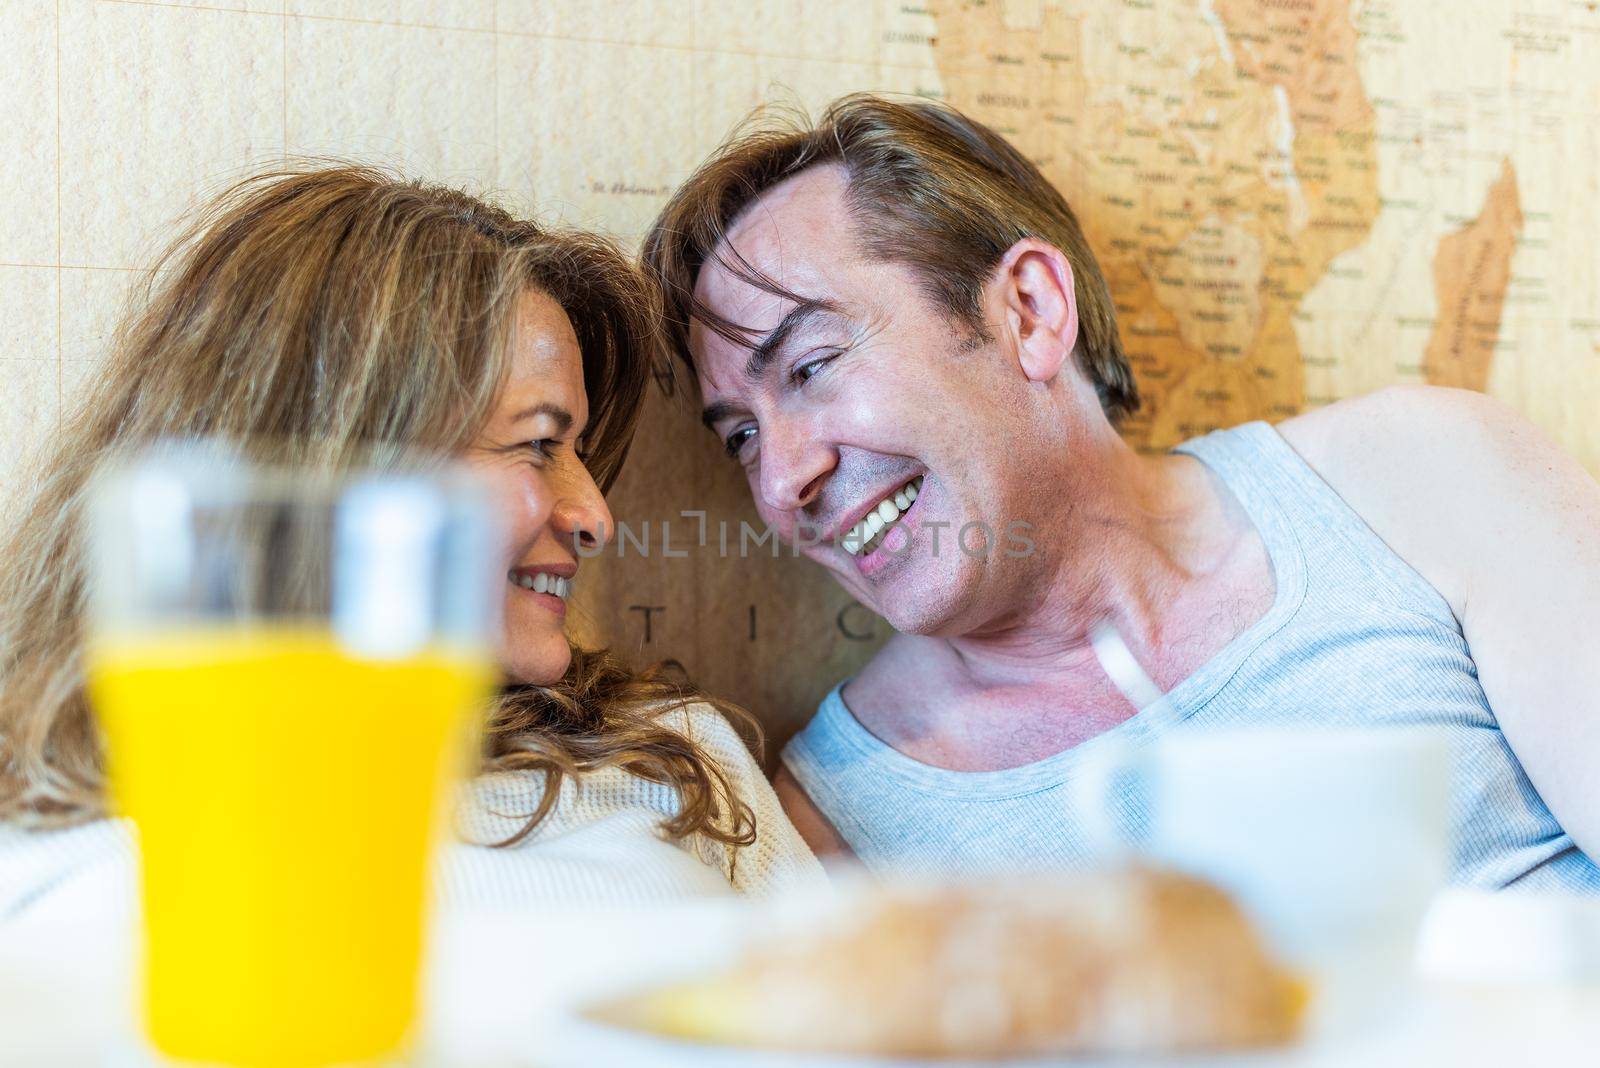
[[1297, 200]]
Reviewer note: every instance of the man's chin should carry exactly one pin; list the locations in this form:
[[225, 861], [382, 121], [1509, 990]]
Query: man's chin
[[922, 614]]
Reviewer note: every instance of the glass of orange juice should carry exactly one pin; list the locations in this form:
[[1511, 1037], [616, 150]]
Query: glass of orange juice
[[289, 672]]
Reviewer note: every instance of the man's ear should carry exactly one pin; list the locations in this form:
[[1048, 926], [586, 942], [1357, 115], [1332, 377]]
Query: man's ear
[[1041, 306]]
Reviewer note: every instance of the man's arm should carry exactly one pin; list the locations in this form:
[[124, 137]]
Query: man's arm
[[806, 817], [1507, 527]]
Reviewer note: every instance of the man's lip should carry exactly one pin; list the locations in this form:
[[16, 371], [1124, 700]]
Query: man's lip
[[869, 564], [561, 569], [837, 533]]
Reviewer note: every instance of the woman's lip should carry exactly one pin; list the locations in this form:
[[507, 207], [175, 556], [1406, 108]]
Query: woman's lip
[[548, 600], [560, 569]]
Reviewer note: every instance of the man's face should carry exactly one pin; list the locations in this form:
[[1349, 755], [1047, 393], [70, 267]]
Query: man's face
[[865, 393]]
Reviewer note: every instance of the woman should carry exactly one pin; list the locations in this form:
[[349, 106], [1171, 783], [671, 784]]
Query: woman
[[331, 312]]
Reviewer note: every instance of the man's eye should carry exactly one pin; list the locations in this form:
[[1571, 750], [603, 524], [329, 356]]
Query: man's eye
[[736, 440], [804, 372]]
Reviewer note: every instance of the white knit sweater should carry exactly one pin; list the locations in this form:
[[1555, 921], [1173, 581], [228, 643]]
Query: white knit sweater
[[600, 845]]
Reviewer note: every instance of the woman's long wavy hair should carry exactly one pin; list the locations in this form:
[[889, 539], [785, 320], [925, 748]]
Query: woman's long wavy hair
[[333, 313]]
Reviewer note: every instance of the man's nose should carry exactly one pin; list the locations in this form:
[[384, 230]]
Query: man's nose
[[794, 465]]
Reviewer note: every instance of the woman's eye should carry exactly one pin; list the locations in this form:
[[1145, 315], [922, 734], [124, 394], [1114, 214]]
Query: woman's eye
[[737, 440], [541, 448]]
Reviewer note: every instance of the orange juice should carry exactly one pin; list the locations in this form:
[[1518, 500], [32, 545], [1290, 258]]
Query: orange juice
[[286, 796]]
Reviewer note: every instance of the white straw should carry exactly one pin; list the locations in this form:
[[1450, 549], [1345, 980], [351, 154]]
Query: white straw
[[1117, 660]]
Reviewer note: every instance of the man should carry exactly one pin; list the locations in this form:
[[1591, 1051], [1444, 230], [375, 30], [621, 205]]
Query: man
[[898, 330]]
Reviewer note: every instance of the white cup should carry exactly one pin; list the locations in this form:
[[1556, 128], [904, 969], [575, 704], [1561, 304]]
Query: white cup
[[1333, 841]]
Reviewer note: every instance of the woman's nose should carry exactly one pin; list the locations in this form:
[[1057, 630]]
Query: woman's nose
[[580, 513]]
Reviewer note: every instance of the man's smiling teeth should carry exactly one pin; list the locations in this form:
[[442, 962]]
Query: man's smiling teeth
[[539, 582], [865, 535]]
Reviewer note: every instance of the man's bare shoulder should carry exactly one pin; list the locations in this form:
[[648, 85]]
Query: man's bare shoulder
[[1425, 467], [1365, 433], [815, 828]]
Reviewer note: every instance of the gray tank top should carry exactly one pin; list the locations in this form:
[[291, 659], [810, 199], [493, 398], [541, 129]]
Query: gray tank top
[[1355, 638]]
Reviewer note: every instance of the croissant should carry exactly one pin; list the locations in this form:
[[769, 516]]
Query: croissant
[[1128, 961]]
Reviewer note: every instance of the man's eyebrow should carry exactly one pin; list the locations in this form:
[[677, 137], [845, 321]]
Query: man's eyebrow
[[762, 353], [562, 417], [716, 412]]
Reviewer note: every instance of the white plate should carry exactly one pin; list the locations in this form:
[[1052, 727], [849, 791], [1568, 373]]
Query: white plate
[[588, 1041], [1436, 1025]]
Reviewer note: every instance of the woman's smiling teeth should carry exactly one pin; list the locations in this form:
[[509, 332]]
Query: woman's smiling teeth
[[866, 535], [540, 582]]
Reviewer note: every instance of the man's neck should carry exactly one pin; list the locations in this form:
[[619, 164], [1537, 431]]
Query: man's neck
[[1148, 529], [1157, 545]]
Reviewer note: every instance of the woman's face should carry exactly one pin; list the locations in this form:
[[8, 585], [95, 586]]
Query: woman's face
[[530, 450]]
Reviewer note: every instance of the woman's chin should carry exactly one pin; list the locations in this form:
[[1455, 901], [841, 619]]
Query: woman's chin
[[539, 660]]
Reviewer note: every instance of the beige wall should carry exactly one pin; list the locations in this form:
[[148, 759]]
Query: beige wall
[[116, 115], [120, 114]]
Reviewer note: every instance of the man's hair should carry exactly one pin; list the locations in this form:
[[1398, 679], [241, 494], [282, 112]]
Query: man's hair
[[927, 187]]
